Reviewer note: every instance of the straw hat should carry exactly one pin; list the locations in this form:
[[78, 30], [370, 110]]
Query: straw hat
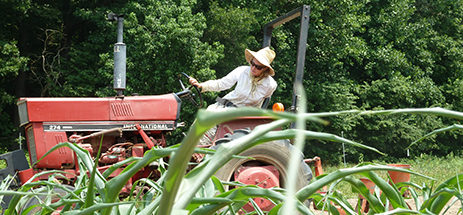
[[265, 56]]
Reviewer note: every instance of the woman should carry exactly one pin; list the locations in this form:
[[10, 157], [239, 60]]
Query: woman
[[253, 83]]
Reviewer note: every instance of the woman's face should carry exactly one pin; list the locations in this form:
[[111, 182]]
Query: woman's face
[[257, 68]]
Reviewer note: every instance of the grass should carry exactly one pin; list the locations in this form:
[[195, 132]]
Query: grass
[[439, 168]]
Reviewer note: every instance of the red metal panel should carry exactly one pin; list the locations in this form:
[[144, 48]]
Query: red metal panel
[[44, 141], [67, 109], [240, 123], [59, 158], [25, 175], [159, 107]]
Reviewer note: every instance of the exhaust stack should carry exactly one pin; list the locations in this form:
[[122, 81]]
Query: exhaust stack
[[119, 55]]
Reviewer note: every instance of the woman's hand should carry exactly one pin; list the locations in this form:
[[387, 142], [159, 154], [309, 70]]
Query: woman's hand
[[194, 82]]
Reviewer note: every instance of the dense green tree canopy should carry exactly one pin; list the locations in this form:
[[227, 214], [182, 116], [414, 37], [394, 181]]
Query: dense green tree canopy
[[365, 54]]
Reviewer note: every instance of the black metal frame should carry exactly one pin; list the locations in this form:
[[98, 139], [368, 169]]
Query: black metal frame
[[304, 13], [15, 161]]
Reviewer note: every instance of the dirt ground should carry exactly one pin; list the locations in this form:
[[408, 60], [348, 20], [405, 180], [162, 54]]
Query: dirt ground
[[452, 211]]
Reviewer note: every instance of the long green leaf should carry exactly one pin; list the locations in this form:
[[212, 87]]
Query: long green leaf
[[433, 111], [440, 198], [25, 190], [151, 208], [322, 203], [85, 158], [313, 187], [115, 185], [359, 186], [443, 193], [198, 176], [403, 211], [291, 133], [96, 207], [90, 191], [243, 194], [390, 191], [342, 202], [222, 157], [449, 128], [118, 165], [174, 176], [296, 157]]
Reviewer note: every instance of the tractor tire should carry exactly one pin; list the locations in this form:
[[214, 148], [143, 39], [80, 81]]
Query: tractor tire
[[275, 153], [58, 193]]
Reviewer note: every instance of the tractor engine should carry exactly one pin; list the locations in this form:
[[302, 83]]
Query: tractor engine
[[123, 126]]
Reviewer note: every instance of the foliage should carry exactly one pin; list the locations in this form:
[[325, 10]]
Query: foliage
[[231, 27], [11, 63], [390, 198], [361, 55], [195, 192], [162, 37], [437, 167]]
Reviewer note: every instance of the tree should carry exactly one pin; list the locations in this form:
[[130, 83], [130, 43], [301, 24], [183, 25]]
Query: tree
[[368, 54], [11, 63]]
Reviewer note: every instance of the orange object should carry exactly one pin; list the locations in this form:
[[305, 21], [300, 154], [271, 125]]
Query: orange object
[[396, 176], [278, 107], [317, 164], [369, 184], [364, 204]]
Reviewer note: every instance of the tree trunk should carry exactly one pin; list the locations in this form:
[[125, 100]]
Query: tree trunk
[[20, 86]]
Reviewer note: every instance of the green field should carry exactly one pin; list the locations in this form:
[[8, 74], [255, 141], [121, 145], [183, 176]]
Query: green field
[[439, 168]]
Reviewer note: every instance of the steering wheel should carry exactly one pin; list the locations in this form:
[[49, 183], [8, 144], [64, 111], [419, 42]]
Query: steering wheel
[[195, 96]]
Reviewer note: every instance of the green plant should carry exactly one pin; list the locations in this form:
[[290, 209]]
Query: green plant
[[199, 192], [438, 168], [390, 199]]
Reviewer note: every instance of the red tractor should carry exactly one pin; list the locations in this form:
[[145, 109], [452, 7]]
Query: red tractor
[[134, 124]]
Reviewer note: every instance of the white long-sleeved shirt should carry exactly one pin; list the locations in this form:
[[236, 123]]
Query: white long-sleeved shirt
[[242, 95]]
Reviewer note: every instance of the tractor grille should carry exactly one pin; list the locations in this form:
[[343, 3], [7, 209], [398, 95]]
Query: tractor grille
[[122, 109], [59, 138], [31, 142], [23, 116]]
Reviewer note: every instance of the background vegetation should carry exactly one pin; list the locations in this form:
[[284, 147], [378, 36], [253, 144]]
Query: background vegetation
[[438, 168], [366, 54]]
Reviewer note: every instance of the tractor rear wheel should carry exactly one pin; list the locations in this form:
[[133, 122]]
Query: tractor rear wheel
[[275, 153], [37, 201]]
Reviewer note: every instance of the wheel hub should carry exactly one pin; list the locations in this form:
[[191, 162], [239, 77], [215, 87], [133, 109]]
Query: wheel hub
[[262, 176]]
